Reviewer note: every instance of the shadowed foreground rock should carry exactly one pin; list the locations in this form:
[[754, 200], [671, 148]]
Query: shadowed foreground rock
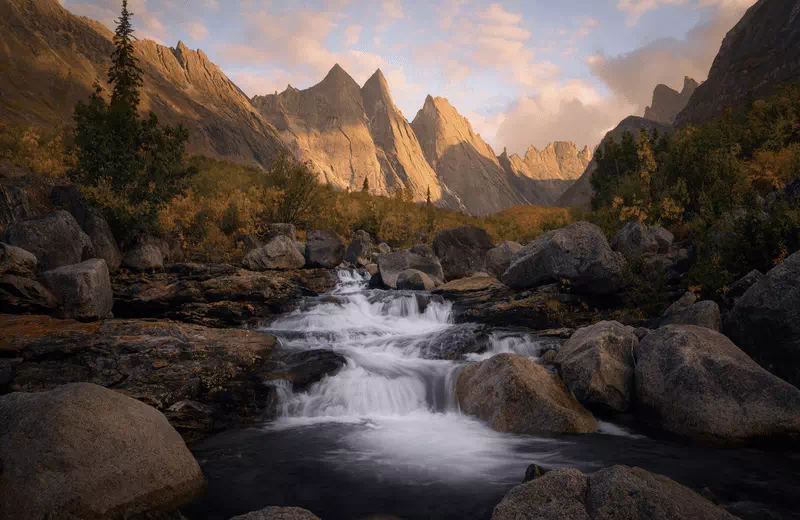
[[81, 451], [515, 394], [324, 249], [462, 250], [390, 266], [278, 513], [695, 382], [83, 290], [55, 239], [278, 253], [597, 365], [616, 493]]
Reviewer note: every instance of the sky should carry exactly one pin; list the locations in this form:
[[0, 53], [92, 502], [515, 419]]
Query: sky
[[524, 72]]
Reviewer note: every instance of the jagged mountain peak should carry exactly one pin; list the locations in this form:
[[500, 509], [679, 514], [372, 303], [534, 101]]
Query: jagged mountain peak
[[668, 102], [377, 88], [337, 76]]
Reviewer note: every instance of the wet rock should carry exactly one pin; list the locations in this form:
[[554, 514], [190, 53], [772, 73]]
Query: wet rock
[[55, 239], [616, 493], [20, 295], [765, 322], [597, 365], [534, 471], [695, 382], [663, 238], [359, 252], [145, 254], [82, 290], [456, 343], [634, 240], [413, 280], [392, 264], [578, 254], [688, 311], [17, 261], [307, 367], [324, 249], [91, 221], [279, 253], [216, 295], [160, 363], [462, 251], [81, 451], [278, 513], [516, 394], [498, 259]]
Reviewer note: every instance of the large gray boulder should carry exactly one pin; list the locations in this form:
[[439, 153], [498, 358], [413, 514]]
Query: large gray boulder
[[688, 311], [616, 493], [324, 249], [516, 394], [279, 253], [597, 365], [634, 240], [413, 280], [56, 239], [17, 261], [278, 513], [462, 251], [663, 238], [19, 295], [275, 230], [82, 451], [392, 264], [765, 322], [359, 252], [695, 382], [740, 286], [579, 254], [83, 290], [91, 221], [499, 258], [145, 254]]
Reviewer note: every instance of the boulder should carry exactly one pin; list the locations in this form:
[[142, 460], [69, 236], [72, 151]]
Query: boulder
[[663, 238], [695, 382], [739, 287], [91, 221], [616, 493], [278, 513], [14, 204], [498, 259], [17, 261], [81, 451], [578, 254], [462, 251], [279, 253], [20, 295], [384, 249], [686, 312], [372, 269], [55, 239], [324, 249], [413, 280], [286, 230], [634, 240], [516, 394], [247, 243], [765, 322], [597, 365], [306, 367], [145, 254], [392, 264], [359, 252], [82, 290]]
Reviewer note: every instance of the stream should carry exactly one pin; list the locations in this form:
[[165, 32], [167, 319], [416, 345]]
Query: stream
[[384, 437]]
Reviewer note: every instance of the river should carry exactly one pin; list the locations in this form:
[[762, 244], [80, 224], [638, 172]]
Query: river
[[384, 437]]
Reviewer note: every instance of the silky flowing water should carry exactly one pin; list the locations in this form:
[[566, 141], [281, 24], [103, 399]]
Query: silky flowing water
[[384, 437]]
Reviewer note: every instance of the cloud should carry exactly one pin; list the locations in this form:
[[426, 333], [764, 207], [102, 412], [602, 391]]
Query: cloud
[[352, 34], [197, 31], [147, 24], [497, 15], [570, 111], [634, 75], [636, 8]]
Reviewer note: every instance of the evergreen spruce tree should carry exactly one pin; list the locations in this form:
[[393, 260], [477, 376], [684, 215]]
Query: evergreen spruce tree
[[365, 186], [128, 167], [428, 197]]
